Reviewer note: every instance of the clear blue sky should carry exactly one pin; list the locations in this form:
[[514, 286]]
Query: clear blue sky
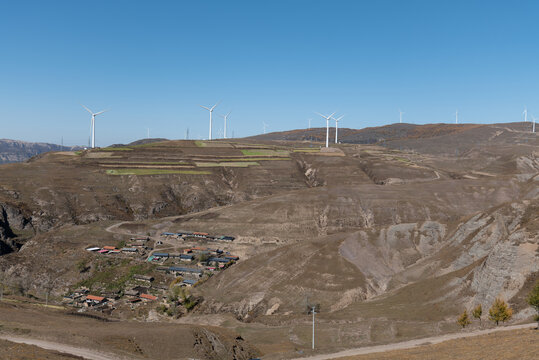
[[154, 62]]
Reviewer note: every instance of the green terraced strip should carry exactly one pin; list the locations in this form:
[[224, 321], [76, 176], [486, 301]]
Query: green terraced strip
[[256, 159], [262, 152], [228, 164], [154, 172]]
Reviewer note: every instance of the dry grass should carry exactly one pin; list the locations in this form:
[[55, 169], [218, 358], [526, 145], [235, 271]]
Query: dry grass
[[15, 351], [516, 344]]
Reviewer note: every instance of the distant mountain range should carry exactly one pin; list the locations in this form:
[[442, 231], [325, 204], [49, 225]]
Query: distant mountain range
[[16, 151]]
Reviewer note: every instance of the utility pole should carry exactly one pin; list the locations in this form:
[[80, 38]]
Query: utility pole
[[314, 312]]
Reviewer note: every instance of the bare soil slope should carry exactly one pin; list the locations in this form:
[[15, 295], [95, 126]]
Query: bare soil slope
[[392, 241]]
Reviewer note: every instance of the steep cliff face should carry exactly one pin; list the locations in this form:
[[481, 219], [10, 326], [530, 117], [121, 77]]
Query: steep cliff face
[[12, 221]]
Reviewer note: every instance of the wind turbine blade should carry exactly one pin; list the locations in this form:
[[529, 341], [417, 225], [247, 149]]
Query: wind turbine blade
[[214, 106], [205, 107], [320, 114], [90, 111], [101, 112]]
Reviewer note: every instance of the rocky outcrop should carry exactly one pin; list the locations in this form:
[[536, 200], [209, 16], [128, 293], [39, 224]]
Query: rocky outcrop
[[12, 220], [213, 346]]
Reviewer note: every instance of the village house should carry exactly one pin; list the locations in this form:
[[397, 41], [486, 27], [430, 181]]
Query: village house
[[93, 300]]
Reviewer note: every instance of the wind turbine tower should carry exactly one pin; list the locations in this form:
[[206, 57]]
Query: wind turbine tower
[[457, 116], [93, 122], [337, 129], [400, 116], [525, 112], [211, 111], [264, 126], [225, 117], [533, 125], [327, 126]]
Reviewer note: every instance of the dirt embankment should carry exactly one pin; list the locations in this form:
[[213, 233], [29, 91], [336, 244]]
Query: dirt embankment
[[94, 339]]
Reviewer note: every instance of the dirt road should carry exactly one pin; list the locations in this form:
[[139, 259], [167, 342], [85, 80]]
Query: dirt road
[[412, 343], [72, 350]]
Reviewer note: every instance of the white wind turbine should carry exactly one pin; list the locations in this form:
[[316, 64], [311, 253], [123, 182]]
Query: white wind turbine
[[457, 116], [400, 115], [211, 111], [533, 126], [327, 126], [264, 126], [337, 128], [225, 117], [93, 122], [525, 113]]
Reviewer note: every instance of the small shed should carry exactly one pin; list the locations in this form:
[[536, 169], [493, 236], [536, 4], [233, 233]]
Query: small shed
[[131, 292], [189, 282], [186, 258], [143, 277]]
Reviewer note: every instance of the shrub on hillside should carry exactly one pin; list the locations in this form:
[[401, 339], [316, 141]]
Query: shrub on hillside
[[500, 311], [463, 319], [477, 312], [533, 300]]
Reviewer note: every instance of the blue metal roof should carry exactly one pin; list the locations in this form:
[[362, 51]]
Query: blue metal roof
[[184, 269], [189, 281], [160, 254], [221, 260]]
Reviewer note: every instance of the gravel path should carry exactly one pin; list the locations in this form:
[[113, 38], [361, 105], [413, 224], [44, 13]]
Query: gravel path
[[413, 343]]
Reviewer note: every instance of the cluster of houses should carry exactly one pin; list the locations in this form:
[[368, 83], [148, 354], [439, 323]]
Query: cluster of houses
[[201, 235], [136, 246], [209, 259], [193, 264], [107, 300]]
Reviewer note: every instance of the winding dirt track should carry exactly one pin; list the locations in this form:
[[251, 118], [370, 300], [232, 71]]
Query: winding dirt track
[[412, 343], [63, 348]]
